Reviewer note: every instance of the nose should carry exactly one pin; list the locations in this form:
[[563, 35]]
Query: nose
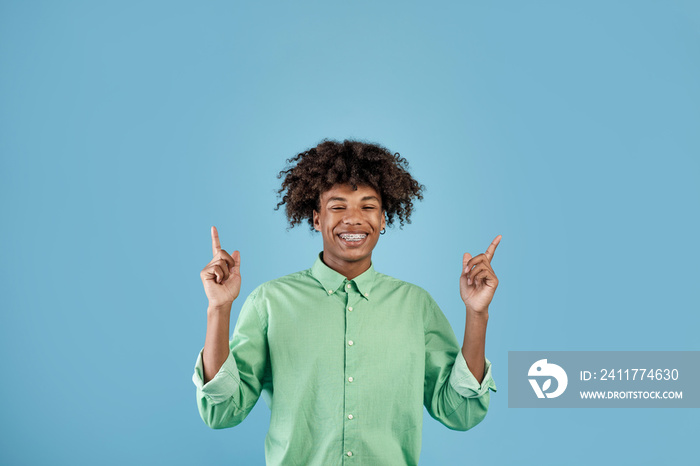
[[352, 216]]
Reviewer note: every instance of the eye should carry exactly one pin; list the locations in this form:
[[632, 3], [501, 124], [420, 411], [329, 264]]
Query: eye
[[337, 208], [369, 207]]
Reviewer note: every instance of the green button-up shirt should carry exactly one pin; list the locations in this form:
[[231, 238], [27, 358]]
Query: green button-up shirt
[[346, 367]]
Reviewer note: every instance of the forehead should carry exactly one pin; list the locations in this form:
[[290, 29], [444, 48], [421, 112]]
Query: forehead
[[345, 191]]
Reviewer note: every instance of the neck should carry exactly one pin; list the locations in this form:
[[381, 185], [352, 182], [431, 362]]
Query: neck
[[348, 269]]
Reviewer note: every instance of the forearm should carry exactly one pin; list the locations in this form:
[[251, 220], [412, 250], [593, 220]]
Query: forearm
[[474, 346], [216, 343]]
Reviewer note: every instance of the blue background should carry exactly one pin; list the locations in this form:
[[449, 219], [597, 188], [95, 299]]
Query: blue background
[[127, 129]]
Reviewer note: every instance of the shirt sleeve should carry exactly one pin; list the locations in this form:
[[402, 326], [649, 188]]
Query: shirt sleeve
[[228, 398], [451, 393], [464, 382]]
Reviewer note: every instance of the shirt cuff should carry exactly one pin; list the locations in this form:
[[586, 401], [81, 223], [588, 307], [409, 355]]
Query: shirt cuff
[[464, 382], [224, 384]]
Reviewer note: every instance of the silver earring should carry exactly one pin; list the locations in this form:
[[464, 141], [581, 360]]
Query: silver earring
[[383, 231]]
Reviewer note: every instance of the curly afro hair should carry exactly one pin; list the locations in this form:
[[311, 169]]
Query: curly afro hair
[[317, 170]]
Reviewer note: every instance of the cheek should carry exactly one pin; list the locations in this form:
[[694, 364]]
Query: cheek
[[329, 226]]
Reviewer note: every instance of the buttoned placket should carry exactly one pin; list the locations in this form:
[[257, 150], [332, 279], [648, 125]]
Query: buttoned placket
[[351, 402]]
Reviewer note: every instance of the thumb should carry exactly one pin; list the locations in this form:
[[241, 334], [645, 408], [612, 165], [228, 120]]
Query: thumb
[[466, 258], [236, 256]]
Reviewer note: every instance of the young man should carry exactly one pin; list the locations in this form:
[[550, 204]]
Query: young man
[[344, 356]]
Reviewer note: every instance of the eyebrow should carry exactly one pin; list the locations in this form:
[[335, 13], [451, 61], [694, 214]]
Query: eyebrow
[[366, 198]]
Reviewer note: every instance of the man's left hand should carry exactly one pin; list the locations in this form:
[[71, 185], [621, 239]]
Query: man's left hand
[[478, 281]]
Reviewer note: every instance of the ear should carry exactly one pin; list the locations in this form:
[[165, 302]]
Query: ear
[[317, 222], [383, 220]]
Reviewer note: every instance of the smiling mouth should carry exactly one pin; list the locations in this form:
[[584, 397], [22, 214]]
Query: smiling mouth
[[353, 237]]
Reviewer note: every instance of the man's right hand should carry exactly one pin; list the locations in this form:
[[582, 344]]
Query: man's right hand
[[222, 276]]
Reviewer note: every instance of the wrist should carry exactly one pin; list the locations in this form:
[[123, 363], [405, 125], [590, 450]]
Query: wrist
[[219, 309], [478, 313]]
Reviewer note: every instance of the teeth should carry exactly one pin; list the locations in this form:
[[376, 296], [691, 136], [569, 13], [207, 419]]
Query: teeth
[[353, 237]]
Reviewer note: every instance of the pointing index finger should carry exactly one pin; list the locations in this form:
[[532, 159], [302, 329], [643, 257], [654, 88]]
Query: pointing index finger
[[492, 247], [215, 245]]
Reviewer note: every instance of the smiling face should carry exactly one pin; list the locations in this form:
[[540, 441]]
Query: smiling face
[[350, 222]]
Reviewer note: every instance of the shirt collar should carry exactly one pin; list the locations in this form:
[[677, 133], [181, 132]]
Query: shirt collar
[[332, 280]]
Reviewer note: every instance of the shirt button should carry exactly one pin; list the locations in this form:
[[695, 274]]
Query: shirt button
[[330, 291], [349, 416], [350, 342], [350, 379], [366, 295], [349, 453], [347, 286], [350, 308]]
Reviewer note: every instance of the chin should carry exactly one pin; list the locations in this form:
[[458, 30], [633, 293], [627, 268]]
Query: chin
[[357, 254]]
